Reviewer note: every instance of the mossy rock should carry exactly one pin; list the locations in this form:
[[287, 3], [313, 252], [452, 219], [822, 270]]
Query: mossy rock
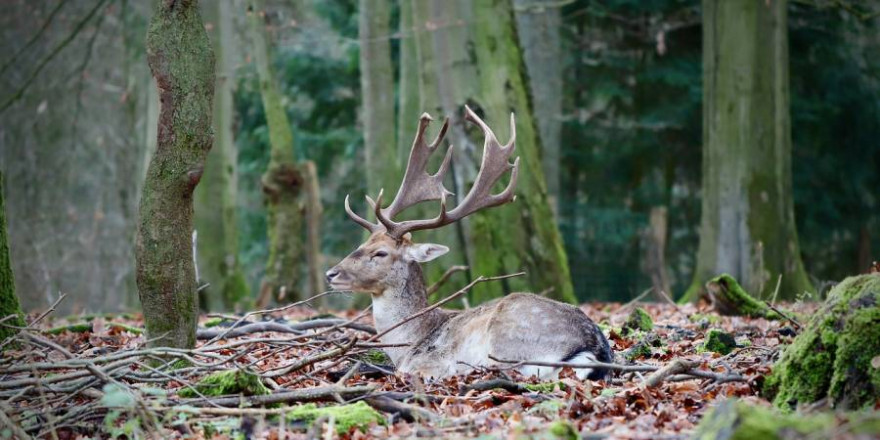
[[718, 341], [374, 356], [543, 387], [736, 420], [832, 355], [357, 415], [729, 298], [564, 430], [227, 382], [644, 347], [638, 320]]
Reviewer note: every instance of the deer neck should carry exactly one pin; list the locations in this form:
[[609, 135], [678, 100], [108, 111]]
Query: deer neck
[[395, 304]]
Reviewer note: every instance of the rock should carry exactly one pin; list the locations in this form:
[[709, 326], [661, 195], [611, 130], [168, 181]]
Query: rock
[[833, 354], [638, 320]]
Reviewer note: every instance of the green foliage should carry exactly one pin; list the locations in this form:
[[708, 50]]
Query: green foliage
[[357, 415], [227, 382]]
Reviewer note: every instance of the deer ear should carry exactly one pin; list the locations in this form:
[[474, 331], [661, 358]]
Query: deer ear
[[425, 252]]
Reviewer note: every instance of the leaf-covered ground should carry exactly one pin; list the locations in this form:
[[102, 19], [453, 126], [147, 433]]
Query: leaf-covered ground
[[103, 394]]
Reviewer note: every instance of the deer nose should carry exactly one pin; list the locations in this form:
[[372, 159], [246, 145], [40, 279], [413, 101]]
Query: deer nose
[[332, 273]]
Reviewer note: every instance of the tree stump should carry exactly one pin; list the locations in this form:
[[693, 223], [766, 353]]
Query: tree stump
[[836, 356]]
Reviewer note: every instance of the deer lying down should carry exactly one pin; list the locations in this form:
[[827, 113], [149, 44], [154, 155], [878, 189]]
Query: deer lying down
[[519, 326]]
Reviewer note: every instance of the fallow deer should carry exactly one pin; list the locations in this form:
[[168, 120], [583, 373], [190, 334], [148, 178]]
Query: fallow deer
[[519, 326]]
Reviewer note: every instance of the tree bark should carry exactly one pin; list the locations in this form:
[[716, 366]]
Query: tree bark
[[537, 26], [182, 62], [384, 165], [282, 181], [747, 227], [216, 196], [9, 304], [314, 210], [523, 236]]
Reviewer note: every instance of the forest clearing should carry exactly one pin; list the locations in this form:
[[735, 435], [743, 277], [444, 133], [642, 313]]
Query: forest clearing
[[492, 219]]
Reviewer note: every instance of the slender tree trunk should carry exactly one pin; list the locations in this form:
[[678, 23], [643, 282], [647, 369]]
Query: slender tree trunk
[[384, 166], [747, 227], [523, 236], [314, 210], [282, 181], [9, 304], [216, 196], [538, 30], [181, 60]]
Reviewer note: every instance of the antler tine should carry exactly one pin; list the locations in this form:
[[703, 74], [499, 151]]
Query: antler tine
[[372, 227], [494, 165], [417, 185]]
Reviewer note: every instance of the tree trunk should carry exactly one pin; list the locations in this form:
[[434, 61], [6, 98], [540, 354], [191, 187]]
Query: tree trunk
[[216, 196], [523, 236], [180, 58], [747, 227], [655, 251], [384, 165], [282, 181], [314, 210], [9, 304], [538, 27]]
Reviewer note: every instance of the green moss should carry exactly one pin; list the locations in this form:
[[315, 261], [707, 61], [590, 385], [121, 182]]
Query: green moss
[[544, 387], [563, 429], [213, 322], [732, 299], [87, 327], [375, 356], [227, 382], [357, 415], [638, 319], [718, 341], [9, 304], [710, 318], [638, 351], [832, 354], [548, 408], [735, 420]]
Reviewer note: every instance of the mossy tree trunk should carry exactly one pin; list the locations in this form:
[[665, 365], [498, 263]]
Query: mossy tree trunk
[[182, 62], [217, 194], [282, 182], [524, 235], [538, 30], [836, 354], [384, 167], [747, 228], [9, 304]]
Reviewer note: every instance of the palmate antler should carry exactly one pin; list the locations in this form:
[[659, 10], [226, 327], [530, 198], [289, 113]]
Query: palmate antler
[[419, 186]]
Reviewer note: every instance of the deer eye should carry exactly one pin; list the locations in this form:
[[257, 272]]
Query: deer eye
[[380, 254]]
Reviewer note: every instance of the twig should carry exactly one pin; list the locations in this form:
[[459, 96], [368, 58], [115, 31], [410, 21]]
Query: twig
[[302, 363], [17, 432], [445, 277], [677, 366], [635, 300], [34, 38], [797, 325], [302, 395], [409, 413], [576, 365], [464, 289], [278, 327], [491, 384]]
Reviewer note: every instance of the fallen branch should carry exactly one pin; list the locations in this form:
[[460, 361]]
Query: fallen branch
[[677, 366], [407, 412], [445, 277], [271, 326], [316, 394], [491, 384]]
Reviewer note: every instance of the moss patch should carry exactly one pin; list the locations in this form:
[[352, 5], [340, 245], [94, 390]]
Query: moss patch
[[730, 298], [718, 341], [638, 320], [375, 356], [227, 382], [543, 387], [832, 355], [357, 415], [736, 420], [563, 429]]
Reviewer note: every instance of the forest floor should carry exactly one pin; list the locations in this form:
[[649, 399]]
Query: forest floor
[[82, 376]]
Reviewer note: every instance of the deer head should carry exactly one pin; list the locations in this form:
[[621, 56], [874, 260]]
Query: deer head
[[387, 258]]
